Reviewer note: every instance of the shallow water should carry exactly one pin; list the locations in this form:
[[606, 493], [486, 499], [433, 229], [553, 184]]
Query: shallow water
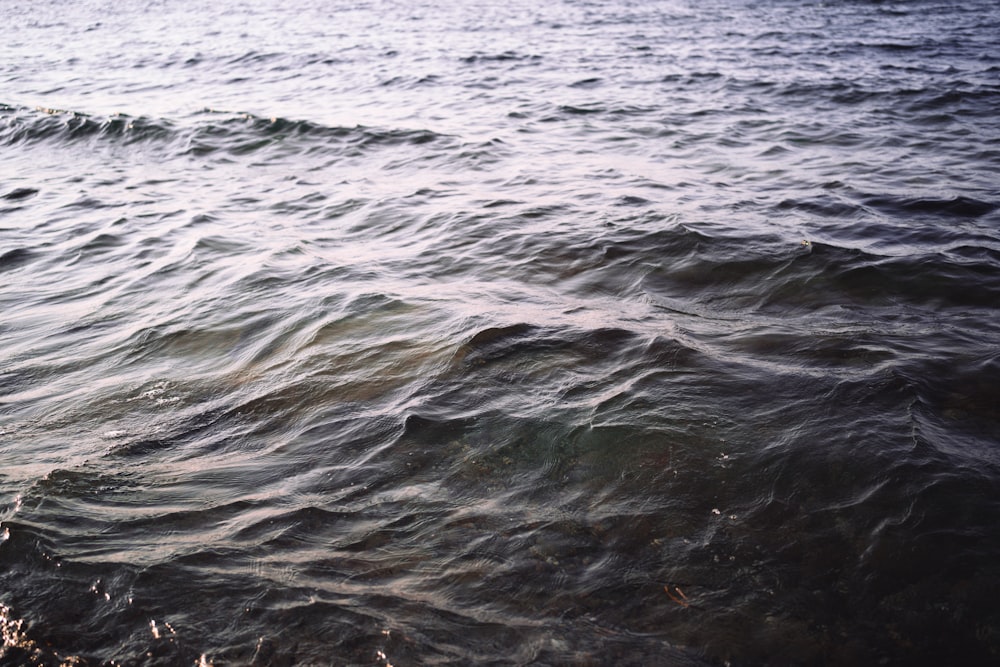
[[506, 333]]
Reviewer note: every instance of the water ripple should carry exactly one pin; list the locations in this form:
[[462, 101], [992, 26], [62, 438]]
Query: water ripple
[[500, 334]]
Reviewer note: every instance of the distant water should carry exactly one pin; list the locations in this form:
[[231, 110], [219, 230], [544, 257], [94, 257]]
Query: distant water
[[494, 333]]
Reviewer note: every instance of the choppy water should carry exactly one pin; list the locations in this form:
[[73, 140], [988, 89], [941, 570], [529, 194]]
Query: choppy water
[[499, 333]]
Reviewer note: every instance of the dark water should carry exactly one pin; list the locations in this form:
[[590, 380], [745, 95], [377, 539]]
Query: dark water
[[513, 332]]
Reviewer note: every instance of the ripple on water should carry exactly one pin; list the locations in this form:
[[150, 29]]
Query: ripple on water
[[521, 334]]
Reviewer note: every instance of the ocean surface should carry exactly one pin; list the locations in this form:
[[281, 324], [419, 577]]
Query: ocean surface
[[484, 332]]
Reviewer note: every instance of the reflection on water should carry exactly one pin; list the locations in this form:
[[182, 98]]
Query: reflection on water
[[499, 334]]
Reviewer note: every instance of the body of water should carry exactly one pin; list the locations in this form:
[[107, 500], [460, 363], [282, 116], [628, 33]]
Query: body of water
[[556, 333]]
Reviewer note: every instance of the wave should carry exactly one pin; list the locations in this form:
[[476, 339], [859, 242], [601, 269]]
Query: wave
[[951, 207], [211, 131], [503, 57], [23, 125]]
